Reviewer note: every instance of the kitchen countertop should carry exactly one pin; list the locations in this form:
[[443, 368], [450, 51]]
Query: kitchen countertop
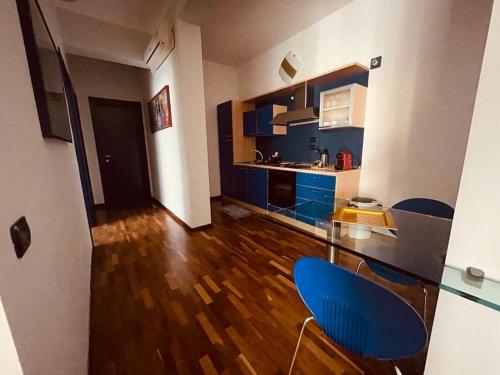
[[324, 171]]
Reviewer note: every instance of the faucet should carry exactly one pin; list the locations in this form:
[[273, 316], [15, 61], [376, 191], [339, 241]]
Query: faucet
[[260, 153]]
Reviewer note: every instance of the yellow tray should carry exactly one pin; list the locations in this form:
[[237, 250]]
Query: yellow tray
[[362, 216]]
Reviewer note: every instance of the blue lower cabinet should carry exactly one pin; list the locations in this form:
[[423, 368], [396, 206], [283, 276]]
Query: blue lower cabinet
[[316, 180], [315, 196], [305, 219], [226, 167], [310, 211], [240, 183], [257, 187], [311, 193], [283, 211]]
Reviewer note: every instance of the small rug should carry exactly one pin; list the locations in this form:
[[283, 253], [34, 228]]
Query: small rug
[[236, 211]]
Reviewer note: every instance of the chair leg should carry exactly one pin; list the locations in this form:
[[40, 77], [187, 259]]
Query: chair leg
[[359, 266], [298, 343], [425, 303]]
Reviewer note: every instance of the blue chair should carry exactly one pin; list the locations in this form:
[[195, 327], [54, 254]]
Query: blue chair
[[361, 316], [422, 206], [426, 206]]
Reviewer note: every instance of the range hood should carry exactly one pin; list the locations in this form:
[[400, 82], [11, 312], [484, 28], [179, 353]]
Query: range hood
[[302, 113]]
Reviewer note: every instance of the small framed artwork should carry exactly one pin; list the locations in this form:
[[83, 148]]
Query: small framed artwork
[[160, 113]]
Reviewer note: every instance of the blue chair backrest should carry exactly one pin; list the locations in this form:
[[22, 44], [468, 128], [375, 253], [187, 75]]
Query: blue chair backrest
[[427, 207], [358, 314]]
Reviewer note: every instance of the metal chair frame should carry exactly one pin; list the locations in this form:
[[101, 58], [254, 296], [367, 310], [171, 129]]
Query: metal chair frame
[[424, 290]]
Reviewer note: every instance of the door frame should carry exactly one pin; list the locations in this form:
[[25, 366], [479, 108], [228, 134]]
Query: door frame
[[144, 162]]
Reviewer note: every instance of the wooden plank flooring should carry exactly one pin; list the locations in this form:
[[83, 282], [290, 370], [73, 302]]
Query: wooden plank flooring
[[166, 300]]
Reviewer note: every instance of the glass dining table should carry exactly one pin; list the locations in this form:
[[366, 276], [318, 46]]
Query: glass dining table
[[417, 248]]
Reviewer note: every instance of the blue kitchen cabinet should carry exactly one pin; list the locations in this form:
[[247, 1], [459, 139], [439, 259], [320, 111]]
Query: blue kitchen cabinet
[[258, 121], [316, 181], [264, 117], [225, 130], [249, 123], [315, 196], [257, 187], [240, 183], [251, 185]]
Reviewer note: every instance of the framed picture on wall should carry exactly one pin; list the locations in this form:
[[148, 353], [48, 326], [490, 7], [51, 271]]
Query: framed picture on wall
[[45, 72], [160, 113]]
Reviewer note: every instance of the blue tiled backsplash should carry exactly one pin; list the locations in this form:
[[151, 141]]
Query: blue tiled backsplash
[[295, 145]]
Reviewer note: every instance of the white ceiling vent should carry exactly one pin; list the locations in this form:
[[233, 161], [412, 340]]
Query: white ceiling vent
[[160, 46]]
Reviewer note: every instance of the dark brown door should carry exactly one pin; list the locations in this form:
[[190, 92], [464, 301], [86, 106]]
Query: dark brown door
[[121, 150]]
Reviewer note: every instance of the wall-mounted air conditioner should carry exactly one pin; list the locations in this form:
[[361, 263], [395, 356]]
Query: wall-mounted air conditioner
[[160, 46]]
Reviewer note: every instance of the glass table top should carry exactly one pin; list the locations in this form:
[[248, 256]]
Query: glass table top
[[486, 293], [417, 248]]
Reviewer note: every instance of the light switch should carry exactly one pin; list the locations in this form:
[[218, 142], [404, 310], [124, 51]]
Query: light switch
[[20, 234]]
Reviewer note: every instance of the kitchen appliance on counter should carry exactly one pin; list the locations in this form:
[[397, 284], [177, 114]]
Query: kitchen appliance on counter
[[344, 161], [324, 157], [281, 188], [274, 159]]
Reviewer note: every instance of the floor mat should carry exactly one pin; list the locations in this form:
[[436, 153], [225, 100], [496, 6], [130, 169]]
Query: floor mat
[[236, 211]]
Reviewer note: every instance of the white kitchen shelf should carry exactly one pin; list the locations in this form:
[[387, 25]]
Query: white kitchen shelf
[[337, 107]]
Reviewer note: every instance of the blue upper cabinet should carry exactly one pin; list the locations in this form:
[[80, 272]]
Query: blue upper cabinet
[[257, 187], [258, 122], [264, 117], [249, 123]]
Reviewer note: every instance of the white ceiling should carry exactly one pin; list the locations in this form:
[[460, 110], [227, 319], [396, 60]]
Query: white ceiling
[[143, 15], [235, 31]]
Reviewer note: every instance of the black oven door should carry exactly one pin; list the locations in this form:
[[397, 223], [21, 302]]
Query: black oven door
[[281, 188]]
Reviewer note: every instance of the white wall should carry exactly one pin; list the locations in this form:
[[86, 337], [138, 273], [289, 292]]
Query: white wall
[[419, 103], [221, 85], [46, 294], [108, 80], [465, 334], [464, 338], [178, 155], [9, 361], [474, 238]]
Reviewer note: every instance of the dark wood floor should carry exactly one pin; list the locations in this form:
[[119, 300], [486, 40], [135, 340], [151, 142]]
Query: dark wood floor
[[166, 300]]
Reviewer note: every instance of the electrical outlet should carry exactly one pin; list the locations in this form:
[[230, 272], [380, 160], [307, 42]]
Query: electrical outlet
[[376, 62]]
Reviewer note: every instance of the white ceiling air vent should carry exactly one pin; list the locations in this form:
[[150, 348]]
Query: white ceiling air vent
[[160, 46]]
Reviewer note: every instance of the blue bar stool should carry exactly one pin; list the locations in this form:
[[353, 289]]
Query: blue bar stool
[[361, 316], [422, 206]]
